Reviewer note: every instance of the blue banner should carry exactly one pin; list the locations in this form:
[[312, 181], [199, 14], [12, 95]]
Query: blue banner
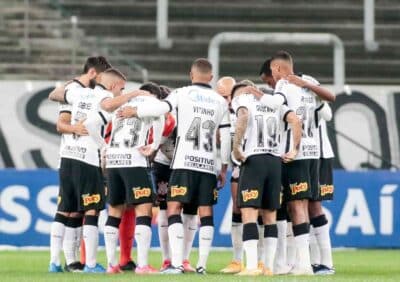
[[365, 212]]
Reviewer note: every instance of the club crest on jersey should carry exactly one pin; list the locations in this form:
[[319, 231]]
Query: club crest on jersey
[[178, 191], [141, 192], [249, 195], [326, 189], [298, 188], [91, 199]]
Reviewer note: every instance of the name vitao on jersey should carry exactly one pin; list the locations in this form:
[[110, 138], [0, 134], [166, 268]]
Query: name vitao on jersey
[[264, 127], [304, 103], [84, 101], [200, 112], [127, 136]]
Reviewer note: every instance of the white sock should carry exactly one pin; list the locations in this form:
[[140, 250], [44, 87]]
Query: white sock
[[111, 235], [189, 232], [315, 256], [280, 255], [143, 241], [303, 250], [206, 235], [175, 235], [250, 249], [91, 238], [78, 238], [324, 242], [69, 245], [237, 242], [56, 241], [163, 234], [260, 245], [270, 244], [291, 246]]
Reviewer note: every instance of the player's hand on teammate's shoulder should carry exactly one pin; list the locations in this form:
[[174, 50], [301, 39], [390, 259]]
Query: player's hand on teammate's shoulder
[[289, 156], [127, 112], [80, 129], [139, 92], [296, 80], [147, 150]]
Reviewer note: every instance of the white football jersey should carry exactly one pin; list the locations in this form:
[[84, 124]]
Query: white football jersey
[[85, 102], [304, 103], [325, 144], [127, 136], [67, 108], [166, 150], [264, 127], [200, 112]]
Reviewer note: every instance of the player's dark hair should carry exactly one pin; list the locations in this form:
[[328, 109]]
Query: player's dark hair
[[266, 68], [282, 55], [203, 65], [153, 88], [99, 63], [165, 91], [115, 72]]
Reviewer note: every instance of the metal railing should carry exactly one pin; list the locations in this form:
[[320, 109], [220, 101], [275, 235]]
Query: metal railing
[[279, 37], [369, 26], [162, 25]]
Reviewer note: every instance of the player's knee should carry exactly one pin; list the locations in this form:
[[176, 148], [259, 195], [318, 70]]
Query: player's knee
[[205, 211]]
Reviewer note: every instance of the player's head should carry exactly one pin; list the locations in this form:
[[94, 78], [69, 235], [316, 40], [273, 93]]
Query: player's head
[[93, 67], [266, 74], [165, 91], [281, 65], [201, 71], [239, 88], [113, 80], [153, 88], [224, 87]]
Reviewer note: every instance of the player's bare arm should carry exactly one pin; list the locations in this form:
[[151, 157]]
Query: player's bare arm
[[57, 95], [127, 112], [241, 125], [320, 91], [111, 104], [295, 125]]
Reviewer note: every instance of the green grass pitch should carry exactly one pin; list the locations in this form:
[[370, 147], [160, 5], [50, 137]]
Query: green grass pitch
[[359, 265]]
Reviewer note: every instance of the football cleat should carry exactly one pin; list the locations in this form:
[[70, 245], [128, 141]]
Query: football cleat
[[74, 267], [165, 265], [130, 266], [147, 269], [173, 270], [114, 269], [98, 268], [53, 268], [234, 266], [267, 272], [201, 270], [187, 267], [323, 270], [301, 271], [252, 272], [260, 265]]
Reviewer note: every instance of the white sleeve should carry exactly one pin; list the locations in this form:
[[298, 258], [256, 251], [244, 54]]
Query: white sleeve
[[64, 108], [272, 101], [92, 124], [172, 99], [103, 95], [281, 89], [153, 109], [70, 95], [284, 112], [225, 136], [241, 101], [158, 127], [324, 112]]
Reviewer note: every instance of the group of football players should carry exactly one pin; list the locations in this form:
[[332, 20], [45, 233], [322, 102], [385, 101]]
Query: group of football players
[[172, 149]]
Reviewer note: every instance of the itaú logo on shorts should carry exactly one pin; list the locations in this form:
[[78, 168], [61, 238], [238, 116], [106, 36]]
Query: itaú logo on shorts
[[90, 199], [326, 189], [297, 188], [249, 195], [141, 192], [178, 191]]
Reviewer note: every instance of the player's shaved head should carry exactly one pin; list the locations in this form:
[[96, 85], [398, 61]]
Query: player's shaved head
[[225, 85], [201, 71], [281, 65], [239, 87], [113, 80]]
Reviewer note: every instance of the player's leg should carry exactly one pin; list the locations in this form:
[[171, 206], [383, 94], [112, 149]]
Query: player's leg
[[297, 193], [235, 265], [317, 217], [126, 237], [72, 237], [190, 223], [92, 201], [280, 263], [260, 245]]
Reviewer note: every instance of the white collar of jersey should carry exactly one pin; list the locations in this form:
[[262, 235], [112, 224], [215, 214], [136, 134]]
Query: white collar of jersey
[[80, 83]]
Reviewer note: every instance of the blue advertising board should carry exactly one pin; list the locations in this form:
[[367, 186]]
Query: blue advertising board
[[365, 212]]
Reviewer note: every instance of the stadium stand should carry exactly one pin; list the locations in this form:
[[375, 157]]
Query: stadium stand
[[129, 27]]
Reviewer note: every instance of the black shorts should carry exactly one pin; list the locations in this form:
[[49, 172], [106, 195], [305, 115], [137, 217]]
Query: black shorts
[[260, 182], [192, 187], [235, 179], [81, 187], [161, 174], [129, 185], [326, 187], [300, 179]]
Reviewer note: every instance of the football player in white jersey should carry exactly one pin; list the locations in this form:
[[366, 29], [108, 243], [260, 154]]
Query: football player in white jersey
[[67, 227], [300, 177], [80, 163], [260, 177], [200, 112]]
